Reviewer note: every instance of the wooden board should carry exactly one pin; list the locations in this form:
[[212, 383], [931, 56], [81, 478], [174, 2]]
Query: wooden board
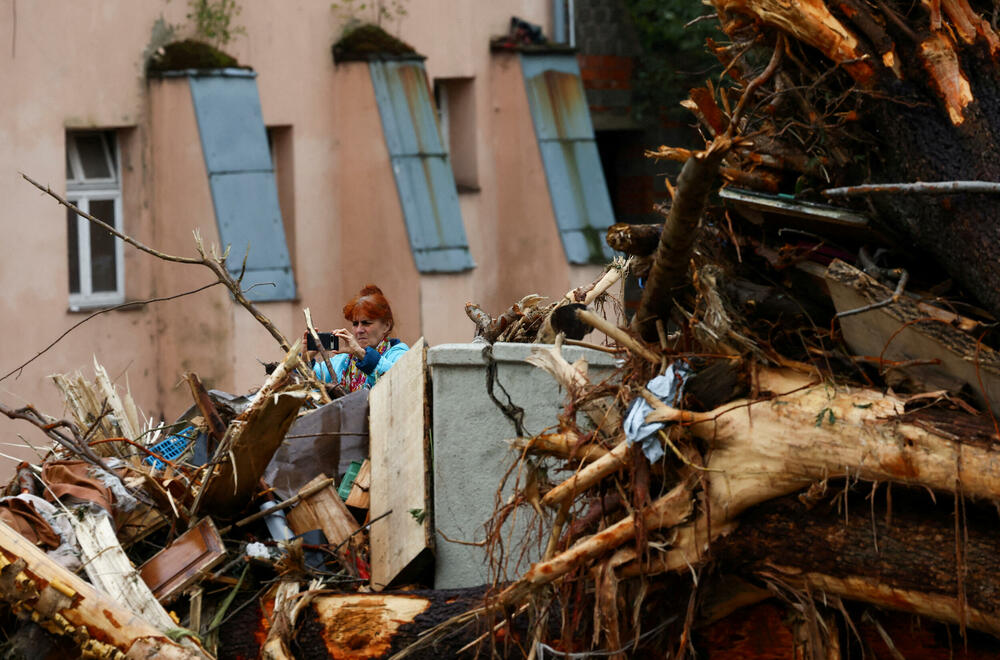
[[359, 497], [232, 486], [322, 510], [173, 569], [61, 600], [400, 451], [110, 570]]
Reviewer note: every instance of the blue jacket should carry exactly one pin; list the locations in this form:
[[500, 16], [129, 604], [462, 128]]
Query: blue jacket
[[372, 364]]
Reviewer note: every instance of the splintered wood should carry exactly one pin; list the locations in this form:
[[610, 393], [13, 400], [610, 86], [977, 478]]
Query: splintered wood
[[34, 583], [248, 450]]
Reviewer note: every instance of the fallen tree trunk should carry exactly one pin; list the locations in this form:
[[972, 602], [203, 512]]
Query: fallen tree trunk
[[908, 555]]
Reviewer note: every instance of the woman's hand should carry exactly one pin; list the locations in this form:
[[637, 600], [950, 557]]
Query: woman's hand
[[348, 343], [306, 353]]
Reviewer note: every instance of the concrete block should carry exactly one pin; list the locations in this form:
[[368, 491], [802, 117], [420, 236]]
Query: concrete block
[[470, 455]]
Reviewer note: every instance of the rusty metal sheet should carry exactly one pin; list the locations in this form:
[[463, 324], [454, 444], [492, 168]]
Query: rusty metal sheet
[[241, 178], [424, 178], [569, 153]]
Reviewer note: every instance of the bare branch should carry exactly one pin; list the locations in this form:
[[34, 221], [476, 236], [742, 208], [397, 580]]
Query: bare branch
[[133, 303], [920, 188]]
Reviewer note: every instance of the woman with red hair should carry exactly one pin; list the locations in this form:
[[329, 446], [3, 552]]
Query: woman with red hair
[[366, 351]]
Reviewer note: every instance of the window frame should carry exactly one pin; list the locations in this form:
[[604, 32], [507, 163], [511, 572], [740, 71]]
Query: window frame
[[81, 191]]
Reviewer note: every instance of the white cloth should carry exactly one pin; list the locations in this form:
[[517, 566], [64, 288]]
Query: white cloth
[[667, 388]]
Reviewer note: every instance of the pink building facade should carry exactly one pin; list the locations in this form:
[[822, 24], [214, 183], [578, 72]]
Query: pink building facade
[[82, 116]]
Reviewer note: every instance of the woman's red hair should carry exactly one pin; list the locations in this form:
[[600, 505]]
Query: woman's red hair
[[371, 303]]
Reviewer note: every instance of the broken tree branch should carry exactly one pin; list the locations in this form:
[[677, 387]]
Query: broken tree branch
[[38, 586], [680, 231], [134, 303], [216, 263], [920, 188]]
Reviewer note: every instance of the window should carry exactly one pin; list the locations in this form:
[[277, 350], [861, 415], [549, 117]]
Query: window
[[93, 183], [457, 119]]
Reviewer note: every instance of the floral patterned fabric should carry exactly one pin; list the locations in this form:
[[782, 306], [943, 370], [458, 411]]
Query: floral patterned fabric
[[354, 378]]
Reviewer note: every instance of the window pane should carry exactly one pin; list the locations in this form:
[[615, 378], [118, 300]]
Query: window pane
[[103, 276], [92, 156], [73, 249], [69, 167]]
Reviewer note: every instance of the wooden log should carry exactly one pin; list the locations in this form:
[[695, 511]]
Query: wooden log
[[280, 633], [670, 266], [808, 432], [35, 585], [357, 625], [639, 240], [805, 431], [906, 561]]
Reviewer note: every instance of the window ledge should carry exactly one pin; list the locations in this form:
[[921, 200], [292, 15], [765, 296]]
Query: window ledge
[[467, 190], [90, 308]]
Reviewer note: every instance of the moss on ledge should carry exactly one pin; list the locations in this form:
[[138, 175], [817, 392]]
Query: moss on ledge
[[189, 54], [370, 42]]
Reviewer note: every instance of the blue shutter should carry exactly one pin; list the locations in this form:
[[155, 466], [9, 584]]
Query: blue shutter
[[241, 177], [424, 178], [569, 154]]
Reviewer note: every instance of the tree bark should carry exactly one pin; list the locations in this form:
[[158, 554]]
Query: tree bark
[[903, 557], [926, 86], [680, 231]]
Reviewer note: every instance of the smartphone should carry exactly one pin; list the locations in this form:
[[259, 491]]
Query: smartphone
[[329, 340]]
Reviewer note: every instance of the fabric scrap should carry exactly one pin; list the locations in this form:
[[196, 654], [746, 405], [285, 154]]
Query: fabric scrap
[[667, 388]]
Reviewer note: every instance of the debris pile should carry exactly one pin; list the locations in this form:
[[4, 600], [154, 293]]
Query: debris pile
[[796, 457], [240, 530]]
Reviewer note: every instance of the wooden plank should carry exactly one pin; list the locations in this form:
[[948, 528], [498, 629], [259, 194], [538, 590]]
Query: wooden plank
[[359, 497], [322, 510], [235, 480], [905, 331], [173, 569], [400, 450], [111, 571]]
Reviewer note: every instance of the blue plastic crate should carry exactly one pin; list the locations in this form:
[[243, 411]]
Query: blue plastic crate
[[172, 447]]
